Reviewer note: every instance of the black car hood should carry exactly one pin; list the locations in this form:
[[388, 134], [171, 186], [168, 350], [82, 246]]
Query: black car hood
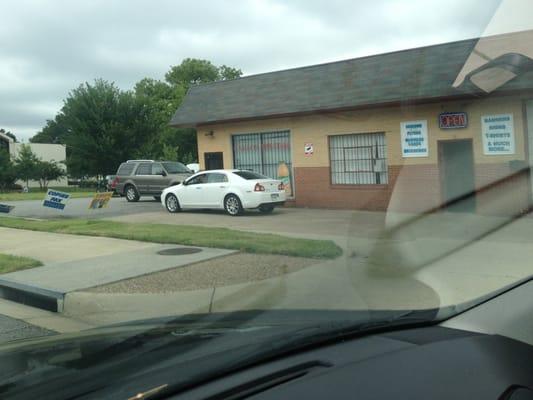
[[123, 360]]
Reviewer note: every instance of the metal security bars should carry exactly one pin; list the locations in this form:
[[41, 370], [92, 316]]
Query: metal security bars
[[359, 159], [262, 152]]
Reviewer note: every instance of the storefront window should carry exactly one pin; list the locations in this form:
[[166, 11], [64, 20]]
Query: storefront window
[[359, 159], [262, 152]]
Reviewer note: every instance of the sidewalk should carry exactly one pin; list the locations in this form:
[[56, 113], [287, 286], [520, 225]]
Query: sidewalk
[[444, 259], [78, 262]]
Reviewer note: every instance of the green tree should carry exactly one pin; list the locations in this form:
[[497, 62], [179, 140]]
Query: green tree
[[192, 71], [226, 73], [26, 164], [166, 98], [49, 171], [9, 134], [55, 131], [8, 175], [105, 127]]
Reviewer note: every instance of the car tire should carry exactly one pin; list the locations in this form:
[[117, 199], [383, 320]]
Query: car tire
[[266, 209], [157, 198], [233, 205], [172, 204], [132, 195]]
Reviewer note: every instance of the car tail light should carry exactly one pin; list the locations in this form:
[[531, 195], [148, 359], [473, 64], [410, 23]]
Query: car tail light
[[259, 188], [115, 182], [281, 187]]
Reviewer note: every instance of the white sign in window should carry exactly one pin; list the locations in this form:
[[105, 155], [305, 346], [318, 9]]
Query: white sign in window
[[414, 135], [498, 134]]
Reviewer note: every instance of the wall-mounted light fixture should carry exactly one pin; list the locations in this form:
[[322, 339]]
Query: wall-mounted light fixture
[[210, 134]]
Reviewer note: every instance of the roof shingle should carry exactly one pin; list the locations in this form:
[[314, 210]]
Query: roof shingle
[[415, 74]]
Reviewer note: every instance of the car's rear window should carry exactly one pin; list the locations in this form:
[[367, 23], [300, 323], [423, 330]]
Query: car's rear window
[[176, 168], [125, 169], [250, 175]]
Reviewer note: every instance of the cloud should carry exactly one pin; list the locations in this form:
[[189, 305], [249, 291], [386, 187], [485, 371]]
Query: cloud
[[49, 47]]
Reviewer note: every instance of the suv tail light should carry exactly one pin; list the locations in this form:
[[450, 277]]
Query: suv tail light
[[259, 188], [281, 186], [115, 182]]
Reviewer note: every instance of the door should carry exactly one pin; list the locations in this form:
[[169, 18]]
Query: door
[[192, 194], [143, 177], [215, 189], [456, 165], [214, 161], [160, 179]]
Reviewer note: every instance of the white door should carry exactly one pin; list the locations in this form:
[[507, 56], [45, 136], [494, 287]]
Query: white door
[[192, 195], [215, 188]]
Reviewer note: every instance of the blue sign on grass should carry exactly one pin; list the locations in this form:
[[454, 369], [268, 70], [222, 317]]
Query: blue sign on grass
[[55, 199]]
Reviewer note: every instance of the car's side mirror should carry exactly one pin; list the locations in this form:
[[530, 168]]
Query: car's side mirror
[[164, 173], [185, 183]]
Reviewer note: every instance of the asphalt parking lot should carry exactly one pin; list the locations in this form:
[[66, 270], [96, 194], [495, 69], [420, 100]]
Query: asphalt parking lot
[[79, 208]]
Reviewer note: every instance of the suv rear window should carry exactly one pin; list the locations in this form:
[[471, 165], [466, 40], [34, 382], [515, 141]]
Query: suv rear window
[[250, 175], [125, 169]]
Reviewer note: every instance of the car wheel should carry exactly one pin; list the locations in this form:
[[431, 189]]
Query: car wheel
[[132, 195], [157, 198], [233, 205], [172, 204], [266, 209]]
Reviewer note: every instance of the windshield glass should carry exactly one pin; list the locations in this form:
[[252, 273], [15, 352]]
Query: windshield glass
[[392, 142], [176, 168], [249, 175]]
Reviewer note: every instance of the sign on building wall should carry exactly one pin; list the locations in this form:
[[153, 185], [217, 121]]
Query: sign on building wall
[[55, 199], [498, 134], [453, 120], [309, 149], [414, 135]]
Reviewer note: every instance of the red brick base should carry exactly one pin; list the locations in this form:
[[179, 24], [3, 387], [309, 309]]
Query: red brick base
[[413, 188]]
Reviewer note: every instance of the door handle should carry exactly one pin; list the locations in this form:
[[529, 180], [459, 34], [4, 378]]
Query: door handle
[[198, 187], [222, 187]]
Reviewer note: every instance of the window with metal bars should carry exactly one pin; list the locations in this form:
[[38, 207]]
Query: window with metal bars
[[358, 159]]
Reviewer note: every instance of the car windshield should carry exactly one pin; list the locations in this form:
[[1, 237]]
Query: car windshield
[[356, 164], [176, 168]]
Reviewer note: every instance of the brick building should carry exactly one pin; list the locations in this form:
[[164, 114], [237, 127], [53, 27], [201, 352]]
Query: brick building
[[411, 130]]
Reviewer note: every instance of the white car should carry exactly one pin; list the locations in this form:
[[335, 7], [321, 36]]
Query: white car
[[231, 190]]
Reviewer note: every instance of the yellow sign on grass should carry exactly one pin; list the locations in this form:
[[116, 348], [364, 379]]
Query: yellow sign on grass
[[100, 200]]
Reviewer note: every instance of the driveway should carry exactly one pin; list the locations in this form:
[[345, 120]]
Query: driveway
[[338, 225]]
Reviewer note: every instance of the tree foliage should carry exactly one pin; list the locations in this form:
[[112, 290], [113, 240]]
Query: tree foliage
[[26, 164], [9, 134], [8, 175], [48, 171], [102, 125], [55, 131]]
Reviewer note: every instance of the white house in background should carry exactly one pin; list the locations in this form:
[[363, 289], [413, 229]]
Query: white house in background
[[44, 151]]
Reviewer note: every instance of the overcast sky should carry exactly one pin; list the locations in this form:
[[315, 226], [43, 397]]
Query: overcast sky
[[48, 47]]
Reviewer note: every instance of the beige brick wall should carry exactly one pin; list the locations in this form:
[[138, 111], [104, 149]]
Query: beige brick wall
[[316, 128]]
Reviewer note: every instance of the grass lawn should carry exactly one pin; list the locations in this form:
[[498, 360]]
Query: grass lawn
[[223, 238], [37, 194], [10, 263]]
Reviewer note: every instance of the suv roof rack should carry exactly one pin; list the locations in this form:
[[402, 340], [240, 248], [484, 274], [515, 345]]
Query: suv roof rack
[[130, 161]]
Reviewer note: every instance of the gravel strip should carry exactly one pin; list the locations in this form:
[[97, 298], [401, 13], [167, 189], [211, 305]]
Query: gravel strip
[[14, 329], [222, 271]]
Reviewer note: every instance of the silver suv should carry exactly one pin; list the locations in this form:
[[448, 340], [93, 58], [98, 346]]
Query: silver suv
[[136, 178]]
